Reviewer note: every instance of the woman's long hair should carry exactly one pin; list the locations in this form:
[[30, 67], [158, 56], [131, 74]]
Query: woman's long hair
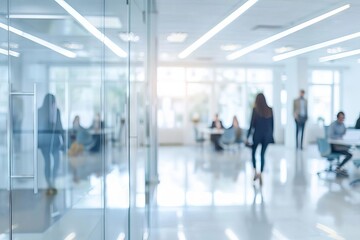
[[261, 106], [49, 109], [49, 100]]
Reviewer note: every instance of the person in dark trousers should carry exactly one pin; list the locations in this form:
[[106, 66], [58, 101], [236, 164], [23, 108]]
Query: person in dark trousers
[[215, 137], [300, 116], [336, 131], [262, 125], [50, 139]]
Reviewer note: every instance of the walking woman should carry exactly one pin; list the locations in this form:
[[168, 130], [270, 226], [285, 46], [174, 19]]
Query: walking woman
[[262, 125], [51, 139]]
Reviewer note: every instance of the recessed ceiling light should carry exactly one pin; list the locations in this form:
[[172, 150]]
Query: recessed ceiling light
[[316, 47], [230, 47], [73, 46], [82, 53], [285, 33], [10, 45], [335, 50], [283, 49], [129, 37], [220, 26], [178, 37]]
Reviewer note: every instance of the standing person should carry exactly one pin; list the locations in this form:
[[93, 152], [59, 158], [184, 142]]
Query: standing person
[[262, 122], [336, 131], [50, 139], [215, 137], [300, 115]]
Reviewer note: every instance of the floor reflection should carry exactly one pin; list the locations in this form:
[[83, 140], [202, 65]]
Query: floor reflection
[[218, 199], [257, 221]]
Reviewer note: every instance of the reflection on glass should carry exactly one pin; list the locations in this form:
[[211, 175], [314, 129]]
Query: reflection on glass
[[50, 139]]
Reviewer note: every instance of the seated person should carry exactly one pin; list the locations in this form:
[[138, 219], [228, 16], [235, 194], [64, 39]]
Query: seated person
[[336, 131], [216, 123], [96, 126], [81, 135], [238, 134], [357, 125]]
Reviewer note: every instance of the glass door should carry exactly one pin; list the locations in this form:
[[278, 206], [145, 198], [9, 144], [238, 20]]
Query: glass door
[[63, 144]]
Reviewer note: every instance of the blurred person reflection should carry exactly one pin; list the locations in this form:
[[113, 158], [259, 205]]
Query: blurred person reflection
[[96, 127], [257, 222], [50, 139], [80, 134], [97, 124]]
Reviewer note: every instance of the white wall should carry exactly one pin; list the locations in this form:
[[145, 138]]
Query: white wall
[[350, 93]]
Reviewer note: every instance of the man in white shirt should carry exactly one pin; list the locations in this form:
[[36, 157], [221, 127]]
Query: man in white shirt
[[300, 115]]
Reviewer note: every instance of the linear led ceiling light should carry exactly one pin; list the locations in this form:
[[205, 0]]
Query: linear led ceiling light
[[11, 53], [229, 19], [91, 29], [285, 33], [315, 47], [40, 41], [340, 55]]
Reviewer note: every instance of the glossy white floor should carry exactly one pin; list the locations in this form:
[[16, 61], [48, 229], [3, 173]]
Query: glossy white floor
[[208, 195]]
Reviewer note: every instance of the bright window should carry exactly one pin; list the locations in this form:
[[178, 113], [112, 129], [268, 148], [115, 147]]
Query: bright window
[[324, 95]]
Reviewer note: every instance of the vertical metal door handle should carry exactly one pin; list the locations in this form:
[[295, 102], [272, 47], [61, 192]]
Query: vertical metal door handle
[[35, 138]]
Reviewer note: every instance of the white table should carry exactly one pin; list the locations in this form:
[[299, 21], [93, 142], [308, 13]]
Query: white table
[[211, 131]]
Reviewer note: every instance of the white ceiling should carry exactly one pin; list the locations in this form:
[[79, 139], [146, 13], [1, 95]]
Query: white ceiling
[[194, 17], [198, 16]]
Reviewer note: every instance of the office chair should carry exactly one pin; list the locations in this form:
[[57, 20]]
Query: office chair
[[325, 151], [228, 138]]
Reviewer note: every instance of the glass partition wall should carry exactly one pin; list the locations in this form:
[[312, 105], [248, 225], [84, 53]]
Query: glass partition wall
[[73, 119]]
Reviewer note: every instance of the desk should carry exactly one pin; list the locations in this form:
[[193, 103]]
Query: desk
[[215, 135], [212, 131]]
